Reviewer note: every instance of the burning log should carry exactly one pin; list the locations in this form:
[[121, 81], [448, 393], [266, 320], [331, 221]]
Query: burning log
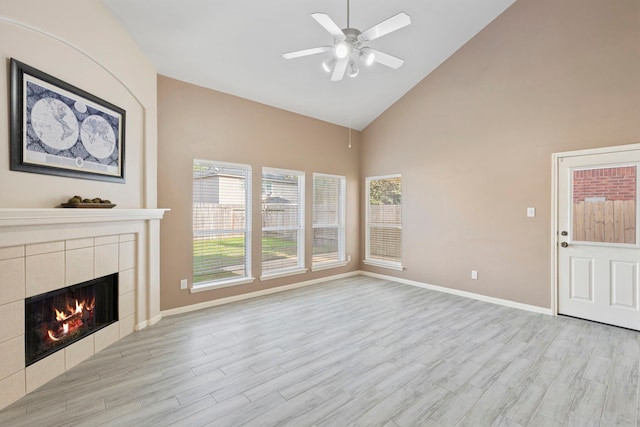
[[71, 321]]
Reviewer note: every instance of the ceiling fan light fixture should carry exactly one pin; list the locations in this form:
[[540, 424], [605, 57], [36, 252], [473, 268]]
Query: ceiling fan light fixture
[[352, 69], [342, 50], [328, 64], [368, 58]]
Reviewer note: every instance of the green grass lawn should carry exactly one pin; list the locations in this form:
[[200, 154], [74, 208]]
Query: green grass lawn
[[219, 254]]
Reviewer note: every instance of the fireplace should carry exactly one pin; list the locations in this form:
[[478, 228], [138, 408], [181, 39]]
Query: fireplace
[[42, 250], [55, 319]]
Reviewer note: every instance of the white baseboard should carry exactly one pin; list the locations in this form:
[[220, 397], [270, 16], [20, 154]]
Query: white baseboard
[[150, 322], [140, 326], [155, 319], [221, 301], [479, 297]]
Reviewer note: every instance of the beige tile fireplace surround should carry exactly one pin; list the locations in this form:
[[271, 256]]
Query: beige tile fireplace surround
[[47, 249]]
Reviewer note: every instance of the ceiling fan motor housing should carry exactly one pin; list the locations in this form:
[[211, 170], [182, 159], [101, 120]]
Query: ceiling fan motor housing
[[353, 39]]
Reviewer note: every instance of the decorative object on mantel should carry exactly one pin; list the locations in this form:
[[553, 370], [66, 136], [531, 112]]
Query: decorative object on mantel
[[79, 202], [59, 129]]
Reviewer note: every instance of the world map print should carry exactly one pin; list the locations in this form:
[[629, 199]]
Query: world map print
[[98, 136], [54, 123], [70, 132]]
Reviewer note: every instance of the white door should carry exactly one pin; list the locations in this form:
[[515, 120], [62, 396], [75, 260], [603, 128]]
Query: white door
[[598, 253]]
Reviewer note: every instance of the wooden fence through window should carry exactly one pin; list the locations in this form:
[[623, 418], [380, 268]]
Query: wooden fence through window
[[610, 221], [212, 218]]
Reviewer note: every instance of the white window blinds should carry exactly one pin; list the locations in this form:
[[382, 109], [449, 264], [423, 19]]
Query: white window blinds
[[221, 222], [328, 220], [282, 221], [384, 221]]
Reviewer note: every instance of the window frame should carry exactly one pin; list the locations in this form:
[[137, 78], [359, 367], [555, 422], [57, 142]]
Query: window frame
[[247, 231], [394, 265], [340, 225], [299, 228]]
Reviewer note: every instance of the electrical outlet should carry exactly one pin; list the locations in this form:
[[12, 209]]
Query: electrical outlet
[[183, 284], [474, 274], [348, 258]]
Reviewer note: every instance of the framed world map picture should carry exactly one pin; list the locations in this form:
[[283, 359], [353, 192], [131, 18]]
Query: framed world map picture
[[58, 129]]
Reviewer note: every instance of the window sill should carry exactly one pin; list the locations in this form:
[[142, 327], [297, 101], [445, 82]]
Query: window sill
[[283, 273], [328, 265], [218, 285], [389, 264]]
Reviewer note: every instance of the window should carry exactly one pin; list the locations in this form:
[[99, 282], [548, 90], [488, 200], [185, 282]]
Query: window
[[384, 222], [328, 221], [221, 224], [282, 222]]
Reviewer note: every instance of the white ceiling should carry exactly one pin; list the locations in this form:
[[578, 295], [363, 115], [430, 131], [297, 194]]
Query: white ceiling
[[236, 47]]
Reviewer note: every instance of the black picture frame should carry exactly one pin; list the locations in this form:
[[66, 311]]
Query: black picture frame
[[59, 129]]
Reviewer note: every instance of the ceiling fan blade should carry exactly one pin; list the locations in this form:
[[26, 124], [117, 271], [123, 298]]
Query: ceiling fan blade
[[339, 69], [385, 27], [386, 59], [306, 52], [328, 24]]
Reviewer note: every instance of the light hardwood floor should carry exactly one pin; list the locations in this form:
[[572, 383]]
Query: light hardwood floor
[[357, 351]]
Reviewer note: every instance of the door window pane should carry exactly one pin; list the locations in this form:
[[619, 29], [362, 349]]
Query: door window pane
[[604, 205]]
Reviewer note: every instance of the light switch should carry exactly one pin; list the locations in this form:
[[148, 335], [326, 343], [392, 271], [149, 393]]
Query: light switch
[[531, 212]]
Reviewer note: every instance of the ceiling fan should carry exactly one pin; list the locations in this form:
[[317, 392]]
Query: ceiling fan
[[349, 45]]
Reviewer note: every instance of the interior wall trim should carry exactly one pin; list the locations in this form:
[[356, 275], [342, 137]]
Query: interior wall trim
[[77, 49], [235, 298], [249, 295], [484, 298]]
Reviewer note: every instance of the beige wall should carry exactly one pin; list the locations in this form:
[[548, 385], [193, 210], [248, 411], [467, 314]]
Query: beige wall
[[199, 123], [473, 141], [80, 42]]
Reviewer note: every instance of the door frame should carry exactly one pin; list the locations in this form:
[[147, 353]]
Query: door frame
[[555, 181]]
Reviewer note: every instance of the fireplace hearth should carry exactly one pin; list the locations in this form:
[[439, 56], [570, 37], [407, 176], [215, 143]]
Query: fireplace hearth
[[58, 318]]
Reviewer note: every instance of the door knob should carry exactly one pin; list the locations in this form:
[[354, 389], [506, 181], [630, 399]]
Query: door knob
[[564, 244], [564, 233]]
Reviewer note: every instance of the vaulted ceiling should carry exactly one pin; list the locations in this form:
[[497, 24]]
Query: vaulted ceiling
[[236, 47]]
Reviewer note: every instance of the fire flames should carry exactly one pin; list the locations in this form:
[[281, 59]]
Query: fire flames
[[71, 318]]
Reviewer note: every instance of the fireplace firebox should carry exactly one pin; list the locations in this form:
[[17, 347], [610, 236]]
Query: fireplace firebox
[[58, 318]]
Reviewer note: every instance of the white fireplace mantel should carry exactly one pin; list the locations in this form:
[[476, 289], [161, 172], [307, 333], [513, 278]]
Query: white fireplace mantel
[[13, 217], [27, 226]]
